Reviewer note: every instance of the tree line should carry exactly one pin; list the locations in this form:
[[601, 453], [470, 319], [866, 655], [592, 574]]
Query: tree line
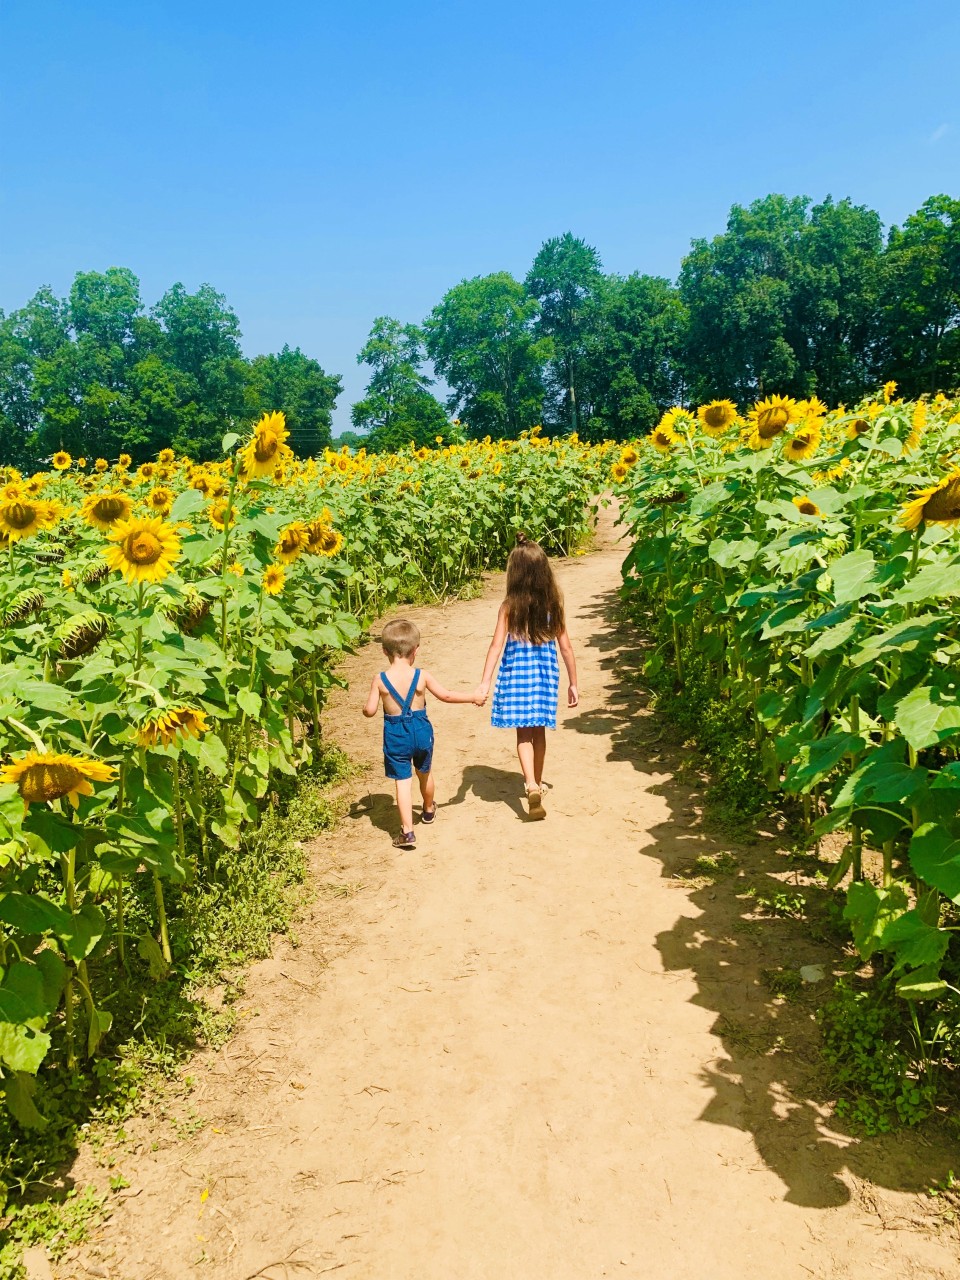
[[793, 297], [98, 374]]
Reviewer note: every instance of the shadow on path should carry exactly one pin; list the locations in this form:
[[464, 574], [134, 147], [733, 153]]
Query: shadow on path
[[772, 1080]]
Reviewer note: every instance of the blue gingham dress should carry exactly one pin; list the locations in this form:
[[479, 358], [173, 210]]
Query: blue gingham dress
[[527, 683]]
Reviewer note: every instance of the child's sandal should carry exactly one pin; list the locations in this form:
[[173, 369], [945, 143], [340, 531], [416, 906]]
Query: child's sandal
[[535, 803], [405, 840], [428, 817]]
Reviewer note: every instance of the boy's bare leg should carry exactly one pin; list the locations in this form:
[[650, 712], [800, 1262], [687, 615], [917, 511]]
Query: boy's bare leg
[[539, 752], [526, 756], [405, 803], [427, 790]]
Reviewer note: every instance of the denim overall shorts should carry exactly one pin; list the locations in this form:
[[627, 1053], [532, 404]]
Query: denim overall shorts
[[408, 737]]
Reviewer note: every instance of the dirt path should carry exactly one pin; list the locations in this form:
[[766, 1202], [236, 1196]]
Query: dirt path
[[501, 1058]]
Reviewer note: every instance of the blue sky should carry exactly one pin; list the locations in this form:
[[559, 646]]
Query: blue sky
[[323, 163]]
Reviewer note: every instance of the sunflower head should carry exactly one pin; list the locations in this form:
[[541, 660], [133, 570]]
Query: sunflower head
[[274, 578], [265, 448], [889, 391], [294, 540], [858, 427], [663, 437], [160, 500], [804, 441], [172, 725], [806, 506], [938, 504], [323, 539], [629, 455], [61, 460], [218, 513], [103, 510], [25, 517], [717, 417], [43, 776], [124, 461], [165, 457], [101, 465], [144, 549], [80, 634], [619, 472], [770, 417], [22, 606]]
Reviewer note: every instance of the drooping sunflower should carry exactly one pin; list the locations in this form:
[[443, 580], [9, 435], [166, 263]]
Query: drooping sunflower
[[145, 549], [274, 579], [217, 515], [918, 424], [103, 510], [806, 506], [42, 776], [858, 427], [262, 453], [717, 417], [160, 500], [167, 726], [769, 418], [25, 517], [804, 441], [938, 504], [61, 460], [294, 540]]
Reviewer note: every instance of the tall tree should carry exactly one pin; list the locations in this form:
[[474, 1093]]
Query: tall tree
[[399, 408], [480, 338], [922, 298], [297, 384], [631, 367], [565, 278]]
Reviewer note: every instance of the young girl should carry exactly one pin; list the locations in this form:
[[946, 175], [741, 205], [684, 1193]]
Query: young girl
[[531, 622]]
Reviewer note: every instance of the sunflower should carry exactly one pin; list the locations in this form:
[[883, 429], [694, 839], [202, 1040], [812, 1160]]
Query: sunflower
[[294, 540], [146, 470], [160, 500], [804, 441], [663, 436], [61, 460], [619, 472], [343, 465], [217, 515], [323, 540], [917, 425], [806, 506], [236, 568], [274, 579], [165, 457], [25, 517], [41, 776], [770, 417], [889, 391], [263, 452], [145, 549], [938, 504], [12, 492], [101, 465], [628, 455], [717, 417], [812, 408], [858, 427], [103, 510], [124, 461], [167, 726]]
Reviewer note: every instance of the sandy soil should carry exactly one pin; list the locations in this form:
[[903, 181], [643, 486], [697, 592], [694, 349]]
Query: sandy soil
[[525, 1051]]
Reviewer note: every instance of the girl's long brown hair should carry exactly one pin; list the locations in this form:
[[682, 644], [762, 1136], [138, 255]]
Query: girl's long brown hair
[[534, 602]]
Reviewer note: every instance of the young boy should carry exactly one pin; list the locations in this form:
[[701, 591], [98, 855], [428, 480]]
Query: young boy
[[407, 733]]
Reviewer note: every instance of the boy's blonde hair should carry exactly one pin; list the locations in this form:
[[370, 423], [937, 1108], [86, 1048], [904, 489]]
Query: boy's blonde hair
[[399, 638]]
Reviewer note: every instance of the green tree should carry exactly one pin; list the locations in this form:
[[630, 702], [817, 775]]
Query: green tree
[[565, 279], [297, 385], [921, 305], [784, 301], [632, 363], [398, 409], [481, 340]]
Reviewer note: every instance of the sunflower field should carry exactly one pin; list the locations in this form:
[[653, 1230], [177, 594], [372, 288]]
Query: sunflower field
[[167, 638], [806, 566]]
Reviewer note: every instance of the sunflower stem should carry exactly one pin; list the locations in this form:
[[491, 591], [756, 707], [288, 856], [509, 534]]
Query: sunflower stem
[[162, 917], [120, 925], [178, 816]]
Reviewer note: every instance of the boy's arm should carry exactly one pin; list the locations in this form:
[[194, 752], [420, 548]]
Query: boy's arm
[[493, 653], [444, 695], [373, 699], [570, 662]]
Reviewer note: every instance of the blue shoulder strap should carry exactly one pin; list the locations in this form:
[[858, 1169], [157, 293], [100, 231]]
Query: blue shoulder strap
[[403, 703]]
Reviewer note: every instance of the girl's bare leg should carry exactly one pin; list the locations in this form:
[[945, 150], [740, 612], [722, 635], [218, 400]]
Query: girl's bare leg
[[405, 803], [539, 752], [527, 756], [427, 790]]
